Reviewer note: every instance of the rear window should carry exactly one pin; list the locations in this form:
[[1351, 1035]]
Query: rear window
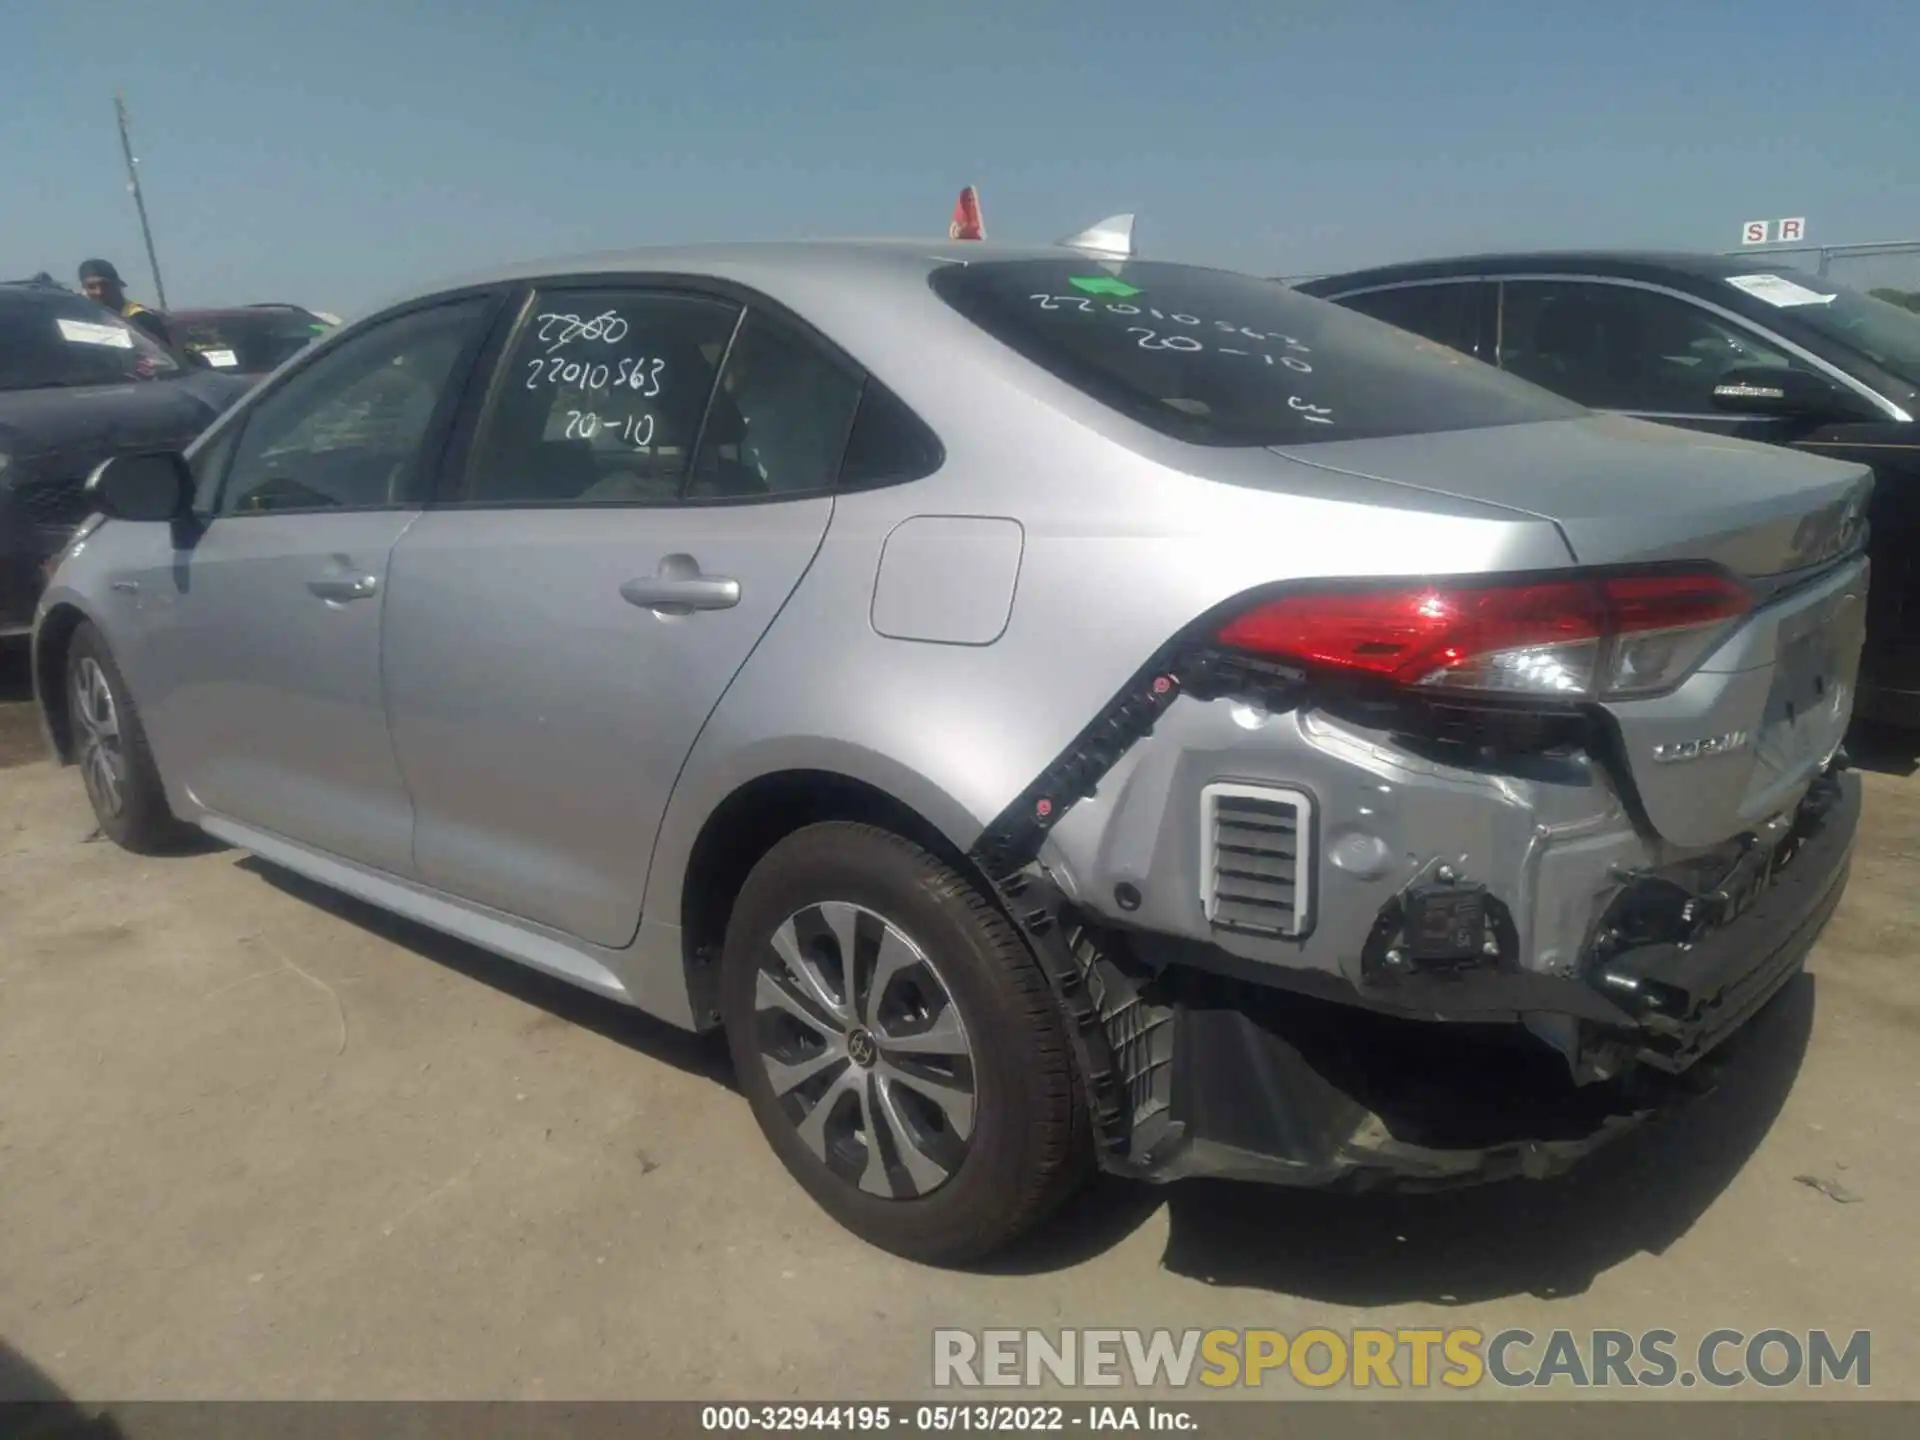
[[248, 343], [49, 341], [1216, 358]]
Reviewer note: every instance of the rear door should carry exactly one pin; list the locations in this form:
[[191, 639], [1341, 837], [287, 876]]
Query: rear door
[[644, 487]]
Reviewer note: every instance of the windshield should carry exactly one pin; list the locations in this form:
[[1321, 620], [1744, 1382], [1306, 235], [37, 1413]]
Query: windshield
[[1886, 334], [249, 342], [1216, 358], [47, 342]]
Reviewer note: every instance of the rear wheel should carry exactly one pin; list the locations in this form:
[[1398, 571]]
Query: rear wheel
[[899, 1046], [110, 748]]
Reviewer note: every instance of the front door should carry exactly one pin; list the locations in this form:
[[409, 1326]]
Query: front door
[[1890, 668], [562, 623], [261, 677]]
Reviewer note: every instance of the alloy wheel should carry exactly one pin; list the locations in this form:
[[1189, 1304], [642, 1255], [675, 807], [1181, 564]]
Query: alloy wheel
[[103, 760], [865, 1049]]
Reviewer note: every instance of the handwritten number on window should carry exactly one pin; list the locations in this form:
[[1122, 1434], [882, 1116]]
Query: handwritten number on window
[[633, 372], [558, 331], [1151, 340], [640, 374], [637, 430], [1054, 302]]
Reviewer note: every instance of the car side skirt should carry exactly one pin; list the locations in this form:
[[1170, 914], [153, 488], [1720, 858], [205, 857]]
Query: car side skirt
[[629, 977]]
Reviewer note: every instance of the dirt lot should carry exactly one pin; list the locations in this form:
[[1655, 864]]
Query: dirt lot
[[259, 1141]]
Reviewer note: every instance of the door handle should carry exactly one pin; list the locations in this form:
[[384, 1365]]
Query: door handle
[[679, 588], [338, 588]]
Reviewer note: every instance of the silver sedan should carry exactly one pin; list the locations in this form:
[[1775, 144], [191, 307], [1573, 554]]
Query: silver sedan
[[1052, 710]]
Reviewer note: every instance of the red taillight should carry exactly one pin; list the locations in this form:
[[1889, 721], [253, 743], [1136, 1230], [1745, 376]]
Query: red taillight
[[1601, 635]]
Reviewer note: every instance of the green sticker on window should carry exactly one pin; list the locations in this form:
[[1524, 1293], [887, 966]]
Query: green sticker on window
[[1102, 285]]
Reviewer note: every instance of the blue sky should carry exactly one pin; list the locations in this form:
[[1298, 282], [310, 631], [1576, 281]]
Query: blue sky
[[332, 153]]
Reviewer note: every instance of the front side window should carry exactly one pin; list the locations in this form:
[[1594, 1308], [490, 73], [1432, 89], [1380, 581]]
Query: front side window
[[599, 399], [1620, 347], [780, 418], [1217, 358], [351, 430], [1448, 314], [209, 468], [64, 343], [1812, 308]]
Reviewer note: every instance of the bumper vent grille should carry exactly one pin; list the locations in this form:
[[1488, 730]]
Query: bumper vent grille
[[1256, 862]]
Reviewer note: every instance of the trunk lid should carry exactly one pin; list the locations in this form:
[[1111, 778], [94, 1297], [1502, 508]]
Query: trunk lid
[[1737, 744], [1624, 491]]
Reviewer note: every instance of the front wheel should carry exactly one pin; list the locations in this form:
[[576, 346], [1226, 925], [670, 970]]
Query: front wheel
[[899, 1046], [110, 748]]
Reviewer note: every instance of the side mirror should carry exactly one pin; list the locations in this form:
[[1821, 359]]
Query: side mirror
[[1781, 393], [152, 487]]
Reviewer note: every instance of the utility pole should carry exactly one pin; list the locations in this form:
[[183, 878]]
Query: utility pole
[[139, 201]]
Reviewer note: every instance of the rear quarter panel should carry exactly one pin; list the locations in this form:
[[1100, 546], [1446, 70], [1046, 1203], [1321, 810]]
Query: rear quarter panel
[[1125, 540]]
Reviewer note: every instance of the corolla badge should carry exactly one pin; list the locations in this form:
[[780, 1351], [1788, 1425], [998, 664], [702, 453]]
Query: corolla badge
[[1678, 750]]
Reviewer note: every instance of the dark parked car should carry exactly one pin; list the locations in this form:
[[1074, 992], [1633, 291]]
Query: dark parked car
[[77, 384], [1733, 345], [250, 340]]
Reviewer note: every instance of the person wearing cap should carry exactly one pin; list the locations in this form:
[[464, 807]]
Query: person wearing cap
[[102, 283]]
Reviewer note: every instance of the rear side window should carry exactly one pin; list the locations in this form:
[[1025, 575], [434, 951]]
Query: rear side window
[[890, 444], [1216, 358], [779, 421], [1448, 314]]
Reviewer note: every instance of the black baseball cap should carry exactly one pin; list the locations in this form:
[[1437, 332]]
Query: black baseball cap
[[98, 269]]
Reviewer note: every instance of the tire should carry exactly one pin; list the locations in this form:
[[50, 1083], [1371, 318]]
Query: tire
[[111, 750], [965, 1179]]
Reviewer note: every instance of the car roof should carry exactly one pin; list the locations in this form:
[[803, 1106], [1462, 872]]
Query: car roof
[[1668, 265], [27, 299], [765, 264], [28, 292]]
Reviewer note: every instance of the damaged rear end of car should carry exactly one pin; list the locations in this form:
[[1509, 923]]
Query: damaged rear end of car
[[1320, 916], [1442, 873]]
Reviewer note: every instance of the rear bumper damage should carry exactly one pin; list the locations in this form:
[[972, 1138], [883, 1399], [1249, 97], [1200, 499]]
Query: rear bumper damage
[[1253, 1083], [1509, 974], [1435, 1085]]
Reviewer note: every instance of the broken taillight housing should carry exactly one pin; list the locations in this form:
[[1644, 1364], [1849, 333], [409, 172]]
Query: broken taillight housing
[[1578, 638]]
